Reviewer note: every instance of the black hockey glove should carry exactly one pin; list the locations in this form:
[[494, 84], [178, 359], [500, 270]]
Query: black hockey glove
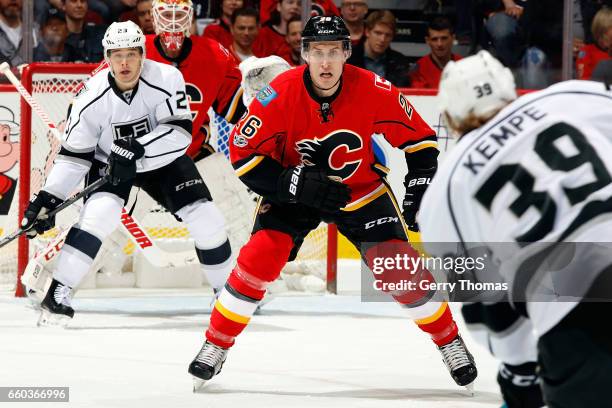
[[312, 187], [416, 182], [520, 386], [35, 217], [122, 160]]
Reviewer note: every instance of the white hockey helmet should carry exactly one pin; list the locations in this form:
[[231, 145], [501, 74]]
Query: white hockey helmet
[[477, 86], [121, 35], [172, 20]]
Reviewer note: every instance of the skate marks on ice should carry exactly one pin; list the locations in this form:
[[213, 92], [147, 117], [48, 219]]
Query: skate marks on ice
[[444, 397]]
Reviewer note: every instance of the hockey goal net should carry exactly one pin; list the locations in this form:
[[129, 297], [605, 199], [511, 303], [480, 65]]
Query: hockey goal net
[[53, 85]]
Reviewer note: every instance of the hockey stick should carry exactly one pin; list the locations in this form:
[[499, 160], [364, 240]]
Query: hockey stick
[[136, 233], [65, 204]]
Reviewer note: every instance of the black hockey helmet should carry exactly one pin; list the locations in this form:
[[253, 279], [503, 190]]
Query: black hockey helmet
[[326, 28]]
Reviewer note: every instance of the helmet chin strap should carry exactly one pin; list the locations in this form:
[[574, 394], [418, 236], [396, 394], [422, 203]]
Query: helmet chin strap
[[331, 87]]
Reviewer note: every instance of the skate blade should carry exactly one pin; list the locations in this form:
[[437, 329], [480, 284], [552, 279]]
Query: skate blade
[[48, 319], [198, 384], [470, 388]]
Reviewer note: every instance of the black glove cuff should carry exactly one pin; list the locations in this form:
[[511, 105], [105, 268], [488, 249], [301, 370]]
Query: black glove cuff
[[290, 184]]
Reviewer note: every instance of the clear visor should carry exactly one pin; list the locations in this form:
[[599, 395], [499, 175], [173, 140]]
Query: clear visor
[[333, 55], [172, 18]]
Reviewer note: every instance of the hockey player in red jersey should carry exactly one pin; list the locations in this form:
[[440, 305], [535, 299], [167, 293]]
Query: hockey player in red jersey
[[305, 146], [210, 71]]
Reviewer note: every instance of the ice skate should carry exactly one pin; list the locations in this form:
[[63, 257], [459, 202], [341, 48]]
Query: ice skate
[[55, 307], [459, 362], [207, 364]]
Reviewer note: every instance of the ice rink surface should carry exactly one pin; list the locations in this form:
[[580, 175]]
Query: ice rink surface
[[301, 351]]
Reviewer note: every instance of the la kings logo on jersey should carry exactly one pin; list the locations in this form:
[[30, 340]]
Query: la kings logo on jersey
[[133, 129]]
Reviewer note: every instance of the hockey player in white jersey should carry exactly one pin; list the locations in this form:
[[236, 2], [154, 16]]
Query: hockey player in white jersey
[[530, 180], [131, 123]]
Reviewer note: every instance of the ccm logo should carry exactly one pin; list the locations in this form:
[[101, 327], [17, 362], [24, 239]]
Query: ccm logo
[[419, 181], [122, 152], [189, 184], [52, 252], [295, 179], [380, 221]]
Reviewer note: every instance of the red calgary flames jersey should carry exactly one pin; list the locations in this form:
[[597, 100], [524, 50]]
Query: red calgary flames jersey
[[286, 123], [212, 79]]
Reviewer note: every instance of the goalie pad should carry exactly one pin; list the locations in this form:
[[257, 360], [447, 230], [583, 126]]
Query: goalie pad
[[38, 273], [257, 73], [232, 197]]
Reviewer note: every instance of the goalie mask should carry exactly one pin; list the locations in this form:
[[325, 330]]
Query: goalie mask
[[172, 20], [474, 88], [324, 29], [123, 35]]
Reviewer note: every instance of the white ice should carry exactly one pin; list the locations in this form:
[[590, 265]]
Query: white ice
[[301, 351]]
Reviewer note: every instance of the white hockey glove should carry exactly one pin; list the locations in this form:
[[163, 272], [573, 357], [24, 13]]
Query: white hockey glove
[[257, 73], [35, 217]]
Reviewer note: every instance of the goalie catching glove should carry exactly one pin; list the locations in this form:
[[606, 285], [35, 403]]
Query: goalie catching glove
[[122, 160], [416, 182], [313, 188], [35, 218]]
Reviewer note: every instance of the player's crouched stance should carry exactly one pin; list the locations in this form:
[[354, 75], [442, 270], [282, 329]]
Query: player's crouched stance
[[305, 146], [131, 123]]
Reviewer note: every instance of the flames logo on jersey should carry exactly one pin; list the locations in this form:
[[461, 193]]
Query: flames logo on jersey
[[338, 153]]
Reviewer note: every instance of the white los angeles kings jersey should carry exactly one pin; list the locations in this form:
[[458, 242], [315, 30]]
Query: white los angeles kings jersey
[[539, 171], [156, 113]]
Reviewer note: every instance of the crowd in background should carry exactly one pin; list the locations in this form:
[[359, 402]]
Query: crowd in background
[[526, 36]]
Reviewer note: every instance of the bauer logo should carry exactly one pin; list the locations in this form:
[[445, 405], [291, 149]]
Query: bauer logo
[[266, 95]]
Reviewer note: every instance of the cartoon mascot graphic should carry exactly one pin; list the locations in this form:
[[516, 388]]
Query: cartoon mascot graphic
[[9, 156]]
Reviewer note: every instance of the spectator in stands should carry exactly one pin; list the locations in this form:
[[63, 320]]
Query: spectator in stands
[[542, 23], [503, 29], [271, 39], [591, 54], [353, 13], [440, 38], [84, 41], [144, 14], [220, 30], [53, 35], [318, 8], [244, 28], [376, 55], [10, 32], [294, 40]]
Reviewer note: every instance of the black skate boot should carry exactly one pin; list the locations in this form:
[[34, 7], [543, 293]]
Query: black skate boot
[[56, 309], [207, 364], [459, 362]]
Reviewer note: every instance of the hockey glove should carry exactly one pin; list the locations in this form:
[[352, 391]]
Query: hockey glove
[[416, 182], [35, 218], [122, 160], [312, 187], [520, 386]]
